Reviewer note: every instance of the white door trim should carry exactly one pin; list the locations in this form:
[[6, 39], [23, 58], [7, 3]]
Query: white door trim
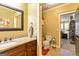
[[60, 24]]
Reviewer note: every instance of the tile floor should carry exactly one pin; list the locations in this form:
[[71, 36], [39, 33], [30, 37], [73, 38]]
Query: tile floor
[[65, 44]]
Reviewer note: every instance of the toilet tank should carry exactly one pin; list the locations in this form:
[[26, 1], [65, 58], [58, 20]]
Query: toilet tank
[[48, 37]]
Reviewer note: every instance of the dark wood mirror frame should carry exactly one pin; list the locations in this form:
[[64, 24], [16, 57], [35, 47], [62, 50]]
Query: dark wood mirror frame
[[22, 21]]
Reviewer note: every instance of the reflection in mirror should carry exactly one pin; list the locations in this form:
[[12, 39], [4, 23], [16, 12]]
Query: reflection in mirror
[[10, 18]]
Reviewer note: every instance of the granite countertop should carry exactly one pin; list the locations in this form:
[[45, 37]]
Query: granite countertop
[[19, 41]]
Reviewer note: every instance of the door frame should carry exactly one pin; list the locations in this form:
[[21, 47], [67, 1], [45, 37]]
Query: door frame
[[59, 15]]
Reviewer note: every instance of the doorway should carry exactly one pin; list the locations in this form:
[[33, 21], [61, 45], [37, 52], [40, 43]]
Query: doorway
[[65, 30]]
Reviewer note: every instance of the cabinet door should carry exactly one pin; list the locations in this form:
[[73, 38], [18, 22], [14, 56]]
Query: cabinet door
[[31, 51], [31, 48], [17, 51]]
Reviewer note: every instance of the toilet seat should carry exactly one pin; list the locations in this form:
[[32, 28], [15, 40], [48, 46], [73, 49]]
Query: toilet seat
[[45, 42], [48, 37]]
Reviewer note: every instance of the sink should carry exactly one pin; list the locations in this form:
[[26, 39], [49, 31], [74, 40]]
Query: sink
[[10, 43], [20, 39], [6, 44]]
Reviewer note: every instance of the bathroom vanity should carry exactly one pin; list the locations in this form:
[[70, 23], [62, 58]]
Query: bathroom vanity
[[22, 47], [12, 19]]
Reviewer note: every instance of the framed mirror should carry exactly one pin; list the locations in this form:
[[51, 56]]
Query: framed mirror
[[11, 19]]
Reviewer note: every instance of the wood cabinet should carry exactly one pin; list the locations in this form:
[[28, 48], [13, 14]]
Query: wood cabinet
[[31, 48], [27, 49], [17, 51]]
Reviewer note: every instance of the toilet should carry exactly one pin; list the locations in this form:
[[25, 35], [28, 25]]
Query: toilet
[[46, 43]]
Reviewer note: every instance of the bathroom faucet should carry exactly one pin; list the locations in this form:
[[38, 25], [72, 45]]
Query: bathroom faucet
[[7, 39]]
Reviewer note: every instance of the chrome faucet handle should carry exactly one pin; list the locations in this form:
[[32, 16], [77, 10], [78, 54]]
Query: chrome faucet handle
[[10, 38], [0, 41], [5, 39]]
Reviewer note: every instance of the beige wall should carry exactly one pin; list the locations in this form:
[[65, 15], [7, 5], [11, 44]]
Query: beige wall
[[6, 13], [52, 21], [8, 34]]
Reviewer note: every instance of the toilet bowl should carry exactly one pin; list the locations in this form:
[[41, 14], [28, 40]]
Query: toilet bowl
[[46, 43]]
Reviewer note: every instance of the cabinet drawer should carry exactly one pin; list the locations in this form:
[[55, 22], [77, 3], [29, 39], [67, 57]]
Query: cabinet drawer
[[18, 54], [31, 54], [21, 54], [32, 48], [31, 44], [16, 50]]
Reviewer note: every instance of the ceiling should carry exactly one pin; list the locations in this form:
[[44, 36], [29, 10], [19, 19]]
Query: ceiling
[[50, 5]]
